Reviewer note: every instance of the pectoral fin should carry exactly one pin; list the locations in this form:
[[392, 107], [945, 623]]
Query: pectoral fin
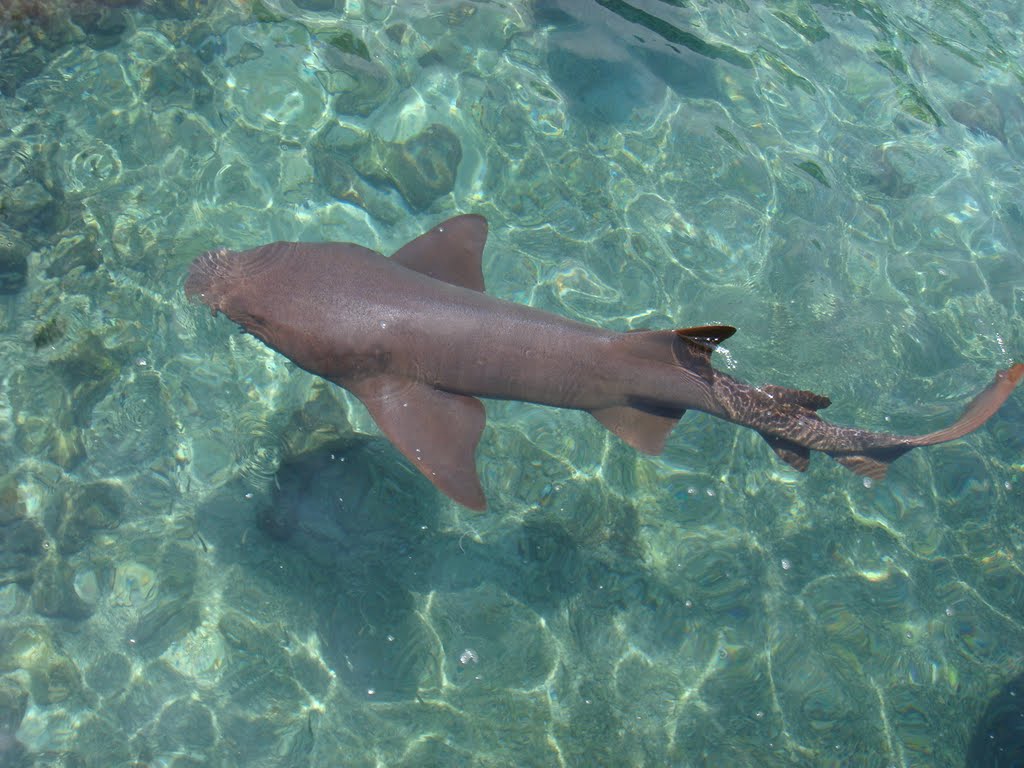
[[437, 431]]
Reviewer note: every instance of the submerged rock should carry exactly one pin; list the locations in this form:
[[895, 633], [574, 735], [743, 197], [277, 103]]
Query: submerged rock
[[36, 24], [103, 25], [139, 706], [422, 168], [183, 10], [17, 68], [425, 167], [109, 674], [13, 703], [166, 623], [128, 427], [86, 509], [49, 333], [359, 85], [12, 508], [287, 734], [245, 635], [135, 585], [178, 568], [31, 207], [186, 725], [13, 262], [88, 370], [336, 175], [23, 646], [99, 741], [178, 80], [21, 549], [54, 593], [55, 682]]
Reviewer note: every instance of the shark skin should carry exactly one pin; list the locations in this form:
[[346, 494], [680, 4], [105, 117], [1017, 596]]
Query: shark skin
[[418, 341]]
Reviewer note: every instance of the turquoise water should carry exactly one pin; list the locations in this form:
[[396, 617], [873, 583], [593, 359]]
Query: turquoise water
[[211, 558]]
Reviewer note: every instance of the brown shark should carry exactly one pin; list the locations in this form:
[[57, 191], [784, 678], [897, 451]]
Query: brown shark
[[417, 340]]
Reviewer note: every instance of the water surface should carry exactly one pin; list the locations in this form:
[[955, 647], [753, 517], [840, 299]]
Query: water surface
[[211, 558]]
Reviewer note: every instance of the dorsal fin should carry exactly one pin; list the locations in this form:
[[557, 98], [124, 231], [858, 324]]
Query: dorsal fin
[[451, 251]]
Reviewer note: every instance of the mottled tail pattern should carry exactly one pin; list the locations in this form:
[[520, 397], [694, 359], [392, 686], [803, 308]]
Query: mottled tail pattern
[[788, 421]]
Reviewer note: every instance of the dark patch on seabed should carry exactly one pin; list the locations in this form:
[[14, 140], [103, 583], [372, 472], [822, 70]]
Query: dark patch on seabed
[[998, 739], [344, 507]]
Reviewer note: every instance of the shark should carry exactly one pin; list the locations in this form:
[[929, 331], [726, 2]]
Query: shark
[[419, 342]]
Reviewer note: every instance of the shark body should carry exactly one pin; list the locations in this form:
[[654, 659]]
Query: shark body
[[418, 341]]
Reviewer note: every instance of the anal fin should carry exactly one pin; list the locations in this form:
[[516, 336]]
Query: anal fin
[[645, 430]]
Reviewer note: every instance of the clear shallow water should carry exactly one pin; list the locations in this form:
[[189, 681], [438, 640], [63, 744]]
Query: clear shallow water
[[209, 558]]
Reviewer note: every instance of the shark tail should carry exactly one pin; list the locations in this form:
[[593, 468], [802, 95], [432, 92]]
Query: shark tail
[[874, 462], [979, 410], [863, 453]]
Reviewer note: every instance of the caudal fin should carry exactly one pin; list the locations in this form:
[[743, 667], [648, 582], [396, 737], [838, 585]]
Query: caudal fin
[[874, 462], [979, 410]]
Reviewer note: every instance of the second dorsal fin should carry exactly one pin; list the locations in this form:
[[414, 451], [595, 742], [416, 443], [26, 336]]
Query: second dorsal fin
[[702, 339], [695, 345]]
